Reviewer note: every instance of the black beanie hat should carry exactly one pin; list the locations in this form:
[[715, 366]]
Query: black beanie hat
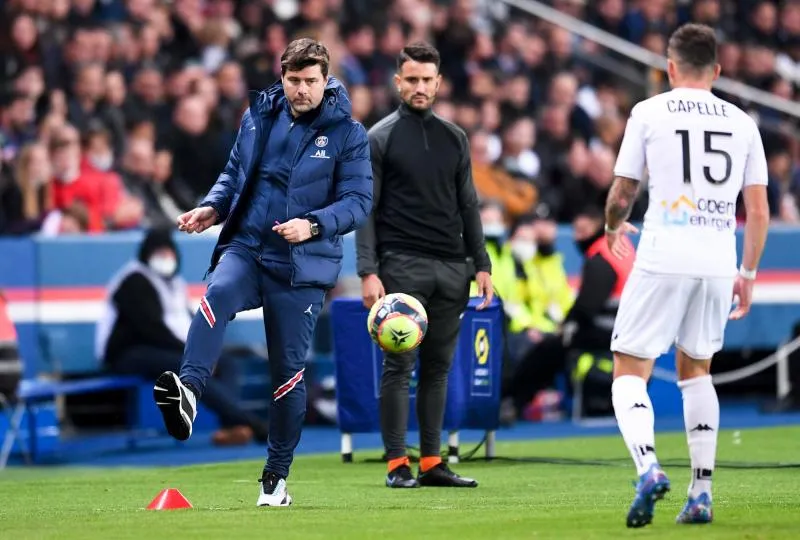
[[154, 240]]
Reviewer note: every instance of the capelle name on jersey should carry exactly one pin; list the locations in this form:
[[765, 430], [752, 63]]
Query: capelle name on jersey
[[699, 107]]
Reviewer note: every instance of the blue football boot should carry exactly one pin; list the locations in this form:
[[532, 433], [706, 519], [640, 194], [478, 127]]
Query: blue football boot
[[696, 511], [652, 487]]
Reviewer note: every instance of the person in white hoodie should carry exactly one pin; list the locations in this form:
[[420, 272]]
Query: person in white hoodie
[[144, 329]]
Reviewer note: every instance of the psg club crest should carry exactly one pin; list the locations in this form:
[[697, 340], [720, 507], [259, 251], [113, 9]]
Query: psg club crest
[[321, 141]]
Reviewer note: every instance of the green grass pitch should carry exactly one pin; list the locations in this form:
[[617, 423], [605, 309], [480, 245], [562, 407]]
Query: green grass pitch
[[348, 501]]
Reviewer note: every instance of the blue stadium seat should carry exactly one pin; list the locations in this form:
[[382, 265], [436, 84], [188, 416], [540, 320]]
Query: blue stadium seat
[[33, 391]]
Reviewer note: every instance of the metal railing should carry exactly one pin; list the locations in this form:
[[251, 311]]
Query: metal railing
[[779, 358], [647, 58]]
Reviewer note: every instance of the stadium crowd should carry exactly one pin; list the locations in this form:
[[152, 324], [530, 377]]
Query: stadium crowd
[[119, 114]]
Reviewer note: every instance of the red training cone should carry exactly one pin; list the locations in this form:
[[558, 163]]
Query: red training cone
[[169, 499]]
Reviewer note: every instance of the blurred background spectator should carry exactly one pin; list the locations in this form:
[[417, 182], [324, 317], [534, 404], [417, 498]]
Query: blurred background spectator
[[126, 109], [143, 331]]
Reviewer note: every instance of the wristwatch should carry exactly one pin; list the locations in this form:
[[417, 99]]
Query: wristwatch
[[314, 228]]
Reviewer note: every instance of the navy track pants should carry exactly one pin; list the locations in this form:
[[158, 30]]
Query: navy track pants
[[239, 283]]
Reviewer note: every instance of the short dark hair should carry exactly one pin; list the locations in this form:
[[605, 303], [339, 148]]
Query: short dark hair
[[693, 46], [522, 221], [304, 52], [96, 129], [11, 96], [421, 52]]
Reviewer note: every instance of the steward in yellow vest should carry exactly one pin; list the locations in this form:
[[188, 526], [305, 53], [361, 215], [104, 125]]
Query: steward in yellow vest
[[530, 280]]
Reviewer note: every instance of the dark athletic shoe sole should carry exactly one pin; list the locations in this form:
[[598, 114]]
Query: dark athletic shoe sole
[[175, 407]]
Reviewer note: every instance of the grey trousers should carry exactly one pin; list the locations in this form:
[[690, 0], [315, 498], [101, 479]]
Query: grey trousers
[[443, 288]]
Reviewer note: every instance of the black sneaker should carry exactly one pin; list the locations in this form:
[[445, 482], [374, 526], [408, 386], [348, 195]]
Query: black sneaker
[[177, 403], [442, 476], [401, 477]]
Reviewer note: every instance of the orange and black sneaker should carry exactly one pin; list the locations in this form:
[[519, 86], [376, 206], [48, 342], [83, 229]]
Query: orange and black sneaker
[[400, 475]]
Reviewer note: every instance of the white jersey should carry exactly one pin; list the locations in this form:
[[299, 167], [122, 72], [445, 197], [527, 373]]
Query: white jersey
[[699, 151]]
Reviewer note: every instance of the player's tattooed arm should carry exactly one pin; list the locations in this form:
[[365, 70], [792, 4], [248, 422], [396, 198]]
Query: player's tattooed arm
[[620, 201]]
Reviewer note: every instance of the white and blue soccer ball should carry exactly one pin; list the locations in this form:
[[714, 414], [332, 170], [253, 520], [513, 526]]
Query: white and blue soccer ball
[[397, 323]]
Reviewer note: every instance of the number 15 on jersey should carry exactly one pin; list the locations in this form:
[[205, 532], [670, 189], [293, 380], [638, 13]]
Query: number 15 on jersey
[[713, 145]]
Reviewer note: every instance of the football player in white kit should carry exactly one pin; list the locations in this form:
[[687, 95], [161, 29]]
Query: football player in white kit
[[700, 152]]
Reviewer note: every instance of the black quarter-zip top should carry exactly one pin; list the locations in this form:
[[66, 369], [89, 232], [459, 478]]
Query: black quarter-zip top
[[424, 200]]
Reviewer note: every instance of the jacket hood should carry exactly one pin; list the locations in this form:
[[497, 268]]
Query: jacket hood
[[335, 104]]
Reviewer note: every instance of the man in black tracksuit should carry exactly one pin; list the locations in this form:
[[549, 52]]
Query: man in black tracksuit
[[424, 227]]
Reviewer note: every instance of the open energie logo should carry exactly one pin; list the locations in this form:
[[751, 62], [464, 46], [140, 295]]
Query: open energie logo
[[705, 213]]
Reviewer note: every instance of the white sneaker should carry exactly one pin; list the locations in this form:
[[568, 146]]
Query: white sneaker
[[273, 491], [177, 403]]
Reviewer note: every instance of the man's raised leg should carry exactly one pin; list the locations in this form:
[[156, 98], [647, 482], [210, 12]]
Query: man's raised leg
[[234, 287]]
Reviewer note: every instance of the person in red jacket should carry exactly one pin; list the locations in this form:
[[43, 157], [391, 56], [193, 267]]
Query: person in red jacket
[[588, 324], [123, 209], [100, 192]]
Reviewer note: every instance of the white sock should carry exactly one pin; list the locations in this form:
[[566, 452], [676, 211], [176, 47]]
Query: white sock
[[634, 413], [701, 417]]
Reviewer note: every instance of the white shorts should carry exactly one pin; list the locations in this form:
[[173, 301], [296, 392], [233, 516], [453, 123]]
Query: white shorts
[[657, 310]]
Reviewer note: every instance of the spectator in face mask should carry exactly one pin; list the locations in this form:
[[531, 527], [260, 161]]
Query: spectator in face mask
[[529, 277], [542, 297], [542, 286], [502, 255], [76, 180], [586, 324], [144, 328], [97, 151], [493, 223]]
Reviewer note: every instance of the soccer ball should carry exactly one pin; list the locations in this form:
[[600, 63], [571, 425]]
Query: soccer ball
[[397, 323]]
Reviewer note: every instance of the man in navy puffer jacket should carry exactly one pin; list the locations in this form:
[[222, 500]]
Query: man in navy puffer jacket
[[298, 178]]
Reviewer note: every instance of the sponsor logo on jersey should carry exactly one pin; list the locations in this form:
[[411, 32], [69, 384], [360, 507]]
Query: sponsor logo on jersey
[[704, 213]]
